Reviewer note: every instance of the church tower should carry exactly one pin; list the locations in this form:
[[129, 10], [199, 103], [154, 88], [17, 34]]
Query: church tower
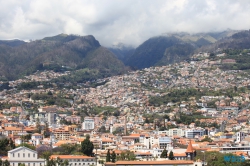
[[190, 152]]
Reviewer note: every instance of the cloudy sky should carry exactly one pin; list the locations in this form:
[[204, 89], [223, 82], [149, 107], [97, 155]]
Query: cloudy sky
[[113, 21]]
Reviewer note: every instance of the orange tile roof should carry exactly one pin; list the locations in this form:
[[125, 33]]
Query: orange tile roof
[[190, 148], [134, 135], [180, 154], [71, 157], [164, 162]]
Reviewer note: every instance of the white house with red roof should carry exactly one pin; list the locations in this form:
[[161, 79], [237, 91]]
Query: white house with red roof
[[24, 155]]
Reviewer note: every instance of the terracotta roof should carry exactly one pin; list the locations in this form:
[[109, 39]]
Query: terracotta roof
[[5, 158], [190, 148], [164, 162], [71, 157], [180, 154]]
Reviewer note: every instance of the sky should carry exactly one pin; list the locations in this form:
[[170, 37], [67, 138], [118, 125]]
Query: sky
[[119, 21]]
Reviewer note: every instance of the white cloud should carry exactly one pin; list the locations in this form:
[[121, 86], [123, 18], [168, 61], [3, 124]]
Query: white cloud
[[127, 21]]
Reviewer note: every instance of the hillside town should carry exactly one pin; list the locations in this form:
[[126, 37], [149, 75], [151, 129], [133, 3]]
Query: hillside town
[[124, 115]]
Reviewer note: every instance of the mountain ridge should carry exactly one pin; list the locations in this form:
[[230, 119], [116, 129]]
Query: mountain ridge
[[52, 53]]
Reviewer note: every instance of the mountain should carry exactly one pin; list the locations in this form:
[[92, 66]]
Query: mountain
[[150, 52], [175, 47], [12, 43], [57, 53], [122, 51], [239, 40]]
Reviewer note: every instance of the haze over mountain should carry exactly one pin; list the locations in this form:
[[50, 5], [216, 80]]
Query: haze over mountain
[[126, 21]]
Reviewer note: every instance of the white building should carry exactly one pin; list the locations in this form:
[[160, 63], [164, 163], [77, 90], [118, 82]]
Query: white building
[[25, 156], [176, 132], [165, 143], [76, 159], [88, 124], [193, 133], [51, 116], [36, 139], [240, 136]]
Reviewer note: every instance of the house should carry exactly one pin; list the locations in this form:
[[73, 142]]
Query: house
[[155, 163], [25, 156], [75, 159]]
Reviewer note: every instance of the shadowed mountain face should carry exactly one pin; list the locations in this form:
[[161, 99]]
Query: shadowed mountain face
[[176, 47], [150, 52], [56, 53]]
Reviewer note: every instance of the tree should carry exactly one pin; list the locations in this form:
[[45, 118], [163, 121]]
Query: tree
[[171, 155], [4, 146], [66, 149], [59, 161], [49, 93], [46, 132], [6, 163], [27, 146], [87, 146], [12, 144], [108, 156], [146, 120], [38, 126], [130, 156], [51, 162], [102, 129], [46, 155], [164, 154], [113, 157], [65, 163]]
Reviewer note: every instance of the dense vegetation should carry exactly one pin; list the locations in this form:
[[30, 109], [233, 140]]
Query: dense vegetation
[[51, 99], [179, 95], [241, 56]]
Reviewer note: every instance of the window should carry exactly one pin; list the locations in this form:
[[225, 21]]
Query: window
[[34, 154], [28, 155], [34, 164], [18, 155], [28, 164], [23, 154], [13, 155]]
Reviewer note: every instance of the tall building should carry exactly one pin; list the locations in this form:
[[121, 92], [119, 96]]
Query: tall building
[[51, 118], [88, 124]]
